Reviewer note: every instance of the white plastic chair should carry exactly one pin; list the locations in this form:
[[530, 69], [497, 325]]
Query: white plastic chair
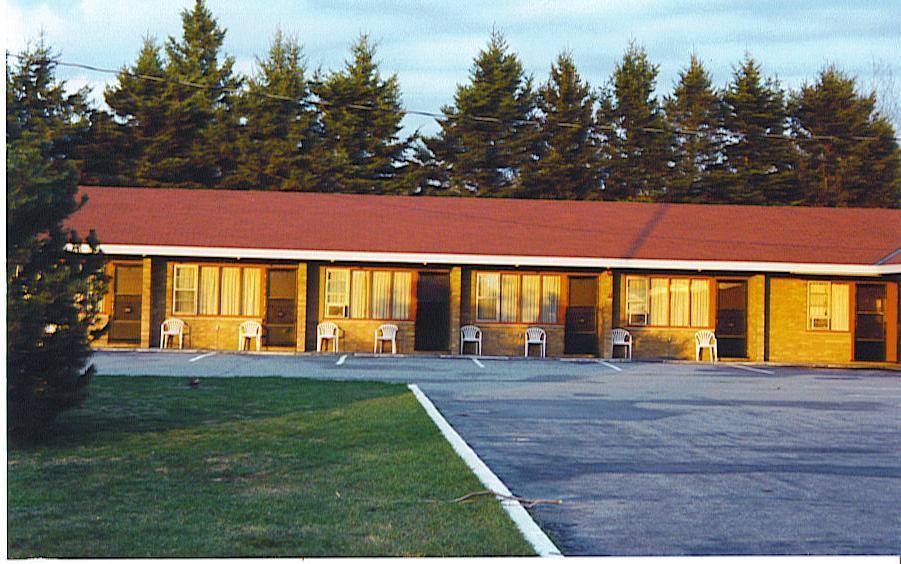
[[325, 331], [250, 330], [536, 336], [383, 334], [172, 328], [471, 334], [621, 337], [705, 340]]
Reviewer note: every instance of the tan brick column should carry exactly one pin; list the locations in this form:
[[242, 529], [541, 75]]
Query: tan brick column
[[456, 278], [605, 313], [756, 317], [301, 318], [146, 298]]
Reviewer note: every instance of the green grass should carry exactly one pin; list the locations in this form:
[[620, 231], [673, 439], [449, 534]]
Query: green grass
[[248, 467]]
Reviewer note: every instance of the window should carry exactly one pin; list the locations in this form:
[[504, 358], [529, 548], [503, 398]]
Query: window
[[828, 306], [361, 294], [184, 294], [215, 290], [522, 298], [667, 302]]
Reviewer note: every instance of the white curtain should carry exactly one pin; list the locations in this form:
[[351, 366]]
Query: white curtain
[[359, 294], [381, 294], [700, 303], [840, 307], [400, 304], [209, 290], [550, 298], [509, 297], [336, 292], [679, 302], [659, 301], [250, 304], [818, 305], [636, 301], [487, 290], [185, 289], [530, 298], [231, 291]]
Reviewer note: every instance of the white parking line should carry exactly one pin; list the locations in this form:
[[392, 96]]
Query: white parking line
[[608, 365], [750, 368], [341, 360], [198, 357], [479, 364]]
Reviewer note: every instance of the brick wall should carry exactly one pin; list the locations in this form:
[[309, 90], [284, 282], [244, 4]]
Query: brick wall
[[790, 340], [757, 317]]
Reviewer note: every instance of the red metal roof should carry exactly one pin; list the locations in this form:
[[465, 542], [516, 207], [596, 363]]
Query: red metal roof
[[483, 226]]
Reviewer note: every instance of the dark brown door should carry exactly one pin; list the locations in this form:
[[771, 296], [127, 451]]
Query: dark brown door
[[432, 311], [732, 318], [281, 308], [581, 333], [125, 323], [869, 323]]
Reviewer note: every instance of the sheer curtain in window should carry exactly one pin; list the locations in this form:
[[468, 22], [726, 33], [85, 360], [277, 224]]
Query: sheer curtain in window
[[209, 290], [679, 302], [530, 298], [359, 294], [400, 304], [231, 291], [381, 294], [250, 303], [550, 298], [659, 301], [841, 307], [700, 303], [487, 291], [509, 297]]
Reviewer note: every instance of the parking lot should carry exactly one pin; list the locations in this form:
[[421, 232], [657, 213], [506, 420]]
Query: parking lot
[[650, 458]]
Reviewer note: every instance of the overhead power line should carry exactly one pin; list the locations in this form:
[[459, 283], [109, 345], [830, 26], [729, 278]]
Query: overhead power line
[[434, 115]]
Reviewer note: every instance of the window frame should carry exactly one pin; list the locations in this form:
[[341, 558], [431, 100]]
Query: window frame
[[261, 303], [628, 322], [829, 313], [411, 312], [562, 298], [176, 289]]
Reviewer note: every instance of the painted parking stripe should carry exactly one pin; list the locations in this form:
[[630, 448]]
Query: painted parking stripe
[[341, 360], [479, 364], [613, 366], [751, 369], [198, 357]]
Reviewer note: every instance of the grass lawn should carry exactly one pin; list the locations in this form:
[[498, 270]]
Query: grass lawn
[[248, 467]]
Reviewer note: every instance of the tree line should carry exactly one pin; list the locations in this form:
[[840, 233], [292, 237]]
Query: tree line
[[181, 116]]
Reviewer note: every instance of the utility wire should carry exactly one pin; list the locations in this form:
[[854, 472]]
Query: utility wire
[[434, 115]]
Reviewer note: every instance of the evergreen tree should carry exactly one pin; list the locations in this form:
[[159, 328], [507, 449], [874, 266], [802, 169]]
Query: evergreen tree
[[484, 143], [849, 155], [193, 145], [694, 113], [567, 165], [758, 159], [638, 147], [51, 294], [362, 151], [276, 137]]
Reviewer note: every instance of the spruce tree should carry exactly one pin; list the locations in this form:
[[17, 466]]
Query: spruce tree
[[362, 151], [51, 294], [193, 146], [638, 143], [567, 164], [694, 113], [758, 158], [276, 137], [485, 138], [849, 155]]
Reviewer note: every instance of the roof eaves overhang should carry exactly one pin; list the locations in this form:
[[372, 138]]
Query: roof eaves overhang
[[501, 260]]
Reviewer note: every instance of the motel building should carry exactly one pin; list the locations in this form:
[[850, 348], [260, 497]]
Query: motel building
[[777, 284]]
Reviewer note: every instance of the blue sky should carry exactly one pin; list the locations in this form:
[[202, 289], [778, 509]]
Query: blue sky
[[431, 45]]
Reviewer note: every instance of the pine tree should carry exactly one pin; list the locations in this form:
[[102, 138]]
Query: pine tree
[[362, 151], [484, 143], [849, 152], [193, 146], [694, 113], [51, 294], [757, 158], [567, 164], [638, 147], [276, 137]]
